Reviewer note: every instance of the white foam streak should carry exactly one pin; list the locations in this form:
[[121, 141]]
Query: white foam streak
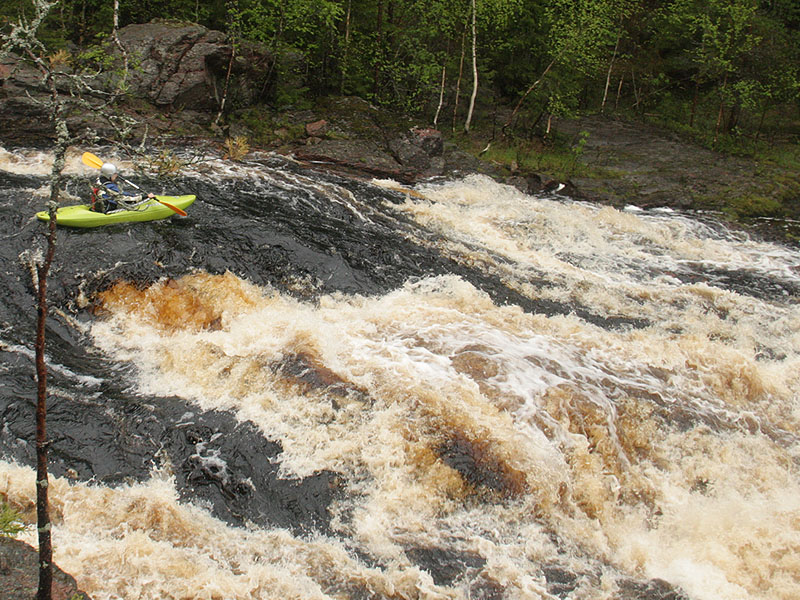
[[40, 163], [28, 353]]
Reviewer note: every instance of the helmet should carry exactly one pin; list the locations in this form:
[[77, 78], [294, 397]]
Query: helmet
[[108, 169]]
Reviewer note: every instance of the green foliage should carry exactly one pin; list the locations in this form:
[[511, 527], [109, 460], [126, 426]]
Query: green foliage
[[11, 523], [728, 67]]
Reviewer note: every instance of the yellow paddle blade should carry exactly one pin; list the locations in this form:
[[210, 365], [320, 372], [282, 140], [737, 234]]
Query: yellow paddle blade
[[91, 160], [174, 208]]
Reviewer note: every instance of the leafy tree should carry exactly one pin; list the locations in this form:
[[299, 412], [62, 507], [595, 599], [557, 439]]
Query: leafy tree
[[580, 33], [307, 26], [721, 34]]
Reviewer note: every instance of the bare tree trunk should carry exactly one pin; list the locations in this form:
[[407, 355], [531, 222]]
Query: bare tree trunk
[[635, 91], [118, 43], [233, 18], [619, 91], [721, 112], [42, 482], [441, 97], [760, 125], [42, 502], [227, 84], [474, 68], [346, 45], [608, 75], [527, 92], [460, 75]]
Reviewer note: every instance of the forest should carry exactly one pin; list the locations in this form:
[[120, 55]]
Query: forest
[[722, 70]]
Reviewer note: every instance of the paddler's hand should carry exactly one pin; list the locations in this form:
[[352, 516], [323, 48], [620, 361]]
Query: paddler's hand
[[151, 195]]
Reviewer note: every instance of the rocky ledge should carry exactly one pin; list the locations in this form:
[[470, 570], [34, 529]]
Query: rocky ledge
[[19, 574]]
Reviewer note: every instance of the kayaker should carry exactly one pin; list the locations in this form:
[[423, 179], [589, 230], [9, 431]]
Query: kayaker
[[107, 195]]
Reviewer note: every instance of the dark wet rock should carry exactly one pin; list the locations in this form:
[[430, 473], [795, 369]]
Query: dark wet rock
[[655, 589], [479, 467], [485, 588], [24, 120], [364, 156], [215, 458], [19, 574], [427, 139], [407, 156], [445, 565], [180, 73], [419, 150], [173, 62], [561, 581], [650, 166]]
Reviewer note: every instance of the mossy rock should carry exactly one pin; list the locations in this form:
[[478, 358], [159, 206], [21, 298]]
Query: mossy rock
[[754, 205]]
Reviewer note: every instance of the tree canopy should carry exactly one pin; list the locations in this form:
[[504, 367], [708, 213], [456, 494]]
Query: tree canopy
[[725, 65]]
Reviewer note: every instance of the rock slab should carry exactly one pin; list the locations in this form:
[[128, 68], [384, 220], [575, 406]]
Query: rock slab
[[19, 574]]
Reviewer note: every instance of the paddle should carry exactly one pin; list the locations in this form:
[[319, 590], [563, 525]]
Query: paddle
[[96, 162]]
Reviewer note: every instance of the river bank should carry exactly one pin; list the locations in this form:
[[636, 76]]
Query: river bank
[[613, 161], [172, 101]]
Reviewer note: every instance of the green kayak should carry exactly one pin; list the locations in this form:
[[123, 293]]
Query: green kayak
[[148, 210]]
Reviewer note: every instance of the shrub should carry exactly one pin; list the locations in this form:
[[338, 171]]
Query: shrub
[[236, 147], [10, 521]]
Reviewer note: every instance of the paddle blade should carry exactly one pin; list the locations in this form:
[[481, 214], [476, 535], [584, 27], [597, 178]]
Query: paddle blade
[[182, 213], [91, 160]]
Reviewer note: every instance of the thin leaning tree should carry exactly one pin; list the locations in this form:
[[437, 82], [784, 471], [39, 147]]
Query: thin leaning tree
[[63, 90]]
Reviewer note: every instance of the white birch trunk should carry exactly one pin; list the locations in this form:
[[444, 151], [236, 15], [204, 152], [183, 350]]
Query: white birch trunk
[[441, 97], [474, 68]]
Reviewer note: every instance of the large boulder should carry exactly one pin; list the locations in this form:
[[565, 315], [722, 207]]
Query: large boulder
[[180, 67], [24, 96], [363, 156], [406, 157], [185, 66]]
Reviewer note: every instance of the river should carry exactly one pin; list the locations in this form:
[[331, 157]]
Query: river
[[319, 387]]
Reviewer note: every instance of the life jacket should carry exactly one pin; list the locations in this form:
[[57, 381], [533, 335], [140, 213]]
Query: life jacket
[[96, 203], [105, 193]]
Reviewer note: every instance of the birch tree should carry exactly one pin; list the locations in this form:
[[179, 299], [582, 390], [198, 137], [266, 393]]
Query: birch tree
[[492, 14], [579, 35]]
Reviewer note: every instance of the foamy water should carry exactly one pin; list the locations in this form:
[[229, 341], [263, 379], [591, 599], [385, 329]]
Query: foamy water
[[514, 441]]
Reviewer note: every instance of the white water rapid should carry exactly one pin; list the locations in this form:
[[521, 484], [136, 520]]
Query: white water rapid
[[514, 444]]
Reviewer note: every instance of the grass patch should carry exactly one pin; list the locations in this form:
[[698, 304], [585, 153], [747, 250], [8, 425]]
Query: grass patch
[[267, 128], [750, 206], [557, 158]]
